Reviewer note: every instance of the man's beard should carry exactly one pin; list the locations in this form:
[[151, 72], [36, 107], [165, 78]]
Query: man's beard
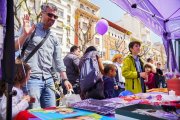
[[50, 23]]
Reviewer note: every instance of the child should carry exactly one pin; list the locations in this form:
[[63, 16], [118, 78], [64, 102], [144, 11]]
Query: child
[[150, 81], [110, 84], [19, 101]]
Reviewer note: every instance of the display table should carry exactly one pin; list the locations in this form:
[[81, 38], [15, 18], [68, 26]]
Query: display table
[[167, 105], [59, 113], [104, 107]]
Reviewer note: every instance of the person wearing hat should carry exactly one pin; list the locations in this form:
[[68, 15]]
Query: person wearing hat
[[132, 69], [151, 62], [41, 85], [120, 80]]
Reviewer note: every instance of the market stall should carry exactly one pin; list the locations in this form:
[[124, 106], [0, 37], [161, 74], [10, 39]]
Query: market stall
[[162, 17], [164, 21]]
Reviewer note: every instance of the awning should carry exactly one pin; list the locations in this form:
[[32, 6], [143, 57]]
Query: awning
[[161, 16]]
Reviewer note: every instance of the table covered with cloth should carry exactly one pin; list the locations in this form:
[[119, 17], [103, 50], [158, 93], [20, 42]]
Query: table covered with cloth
[[60, 113], [103, 107]]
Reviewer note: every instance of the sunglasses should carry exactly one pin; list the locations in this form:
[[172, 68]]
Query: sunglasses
[[52, 15]]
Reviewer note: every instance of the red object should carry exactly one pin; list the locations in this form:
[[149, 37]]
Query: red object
[[174, 84], [159, 103], [24, 115], [32, 100], [151, 81]]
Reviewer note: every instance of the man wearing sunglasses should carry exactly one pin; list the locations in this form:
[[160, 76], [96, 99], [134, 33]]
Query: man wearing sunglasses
[[41, 84]]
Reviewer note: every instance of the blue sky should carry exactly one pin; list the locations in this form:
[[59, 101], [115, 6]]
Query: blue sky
[[114, 13]]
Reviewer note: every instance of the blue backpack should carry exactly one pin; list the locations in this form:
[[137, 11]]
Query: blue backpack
[[89, 71]]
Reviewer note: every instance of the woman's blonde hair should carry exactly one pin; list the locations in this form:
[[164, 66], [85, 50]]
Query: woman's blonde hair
[[116, 56]]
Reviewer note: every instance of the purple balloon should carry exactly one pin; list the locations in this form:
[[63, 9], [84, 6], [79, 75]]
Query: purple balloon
[[102, 26]]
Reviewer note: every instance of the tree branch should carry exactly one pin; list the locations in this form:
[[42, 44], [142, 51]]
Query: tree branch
[[76, 33], [29, 13], [118, 45], [145, 51], [125, 53], [89, 24], [19, 5], [92, 37], [85, 38], [17, 18], [37, 14], [81, 30], [16, 8]]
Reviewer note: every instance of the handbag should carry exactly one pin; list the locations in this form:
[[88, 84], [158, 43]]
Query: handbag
[[96, 92], [70, 98]]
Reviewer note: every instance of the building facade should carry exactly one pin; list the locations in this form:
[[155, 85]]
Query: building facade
[[86, 17], [159, 54], [136, 27], [115, 41]]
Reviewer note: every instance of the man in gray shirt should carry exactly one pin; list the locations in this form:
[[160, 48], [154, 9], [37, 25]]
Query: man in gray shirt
[[71, 62], [41, 84]]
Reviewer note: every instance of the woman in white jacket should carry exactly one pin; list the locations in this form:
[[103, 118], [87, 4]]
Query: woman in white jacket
[[19, 101], [117, 61]]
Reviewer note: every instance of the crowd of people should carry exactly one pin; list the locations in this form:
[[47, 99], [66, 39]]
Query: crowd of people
[[85, 75]]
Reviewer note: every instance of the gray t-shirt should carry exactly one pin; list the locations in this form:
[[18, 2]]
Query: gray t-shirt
[[71, 62]]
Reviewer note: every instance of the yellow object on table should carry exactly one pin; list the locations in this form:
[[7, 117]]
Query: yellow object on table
[[158, 90]]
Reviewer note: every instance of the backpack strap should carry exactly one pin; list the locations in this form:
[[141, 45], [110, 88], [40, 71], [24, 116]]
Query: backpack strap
[[26, 44], [37, 47]]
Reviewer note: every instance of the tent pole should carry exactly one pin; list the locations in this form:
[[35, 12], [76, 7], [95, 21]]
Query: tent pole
[[9, 57], [175, 18], [140, 2], [153, 15], [173, 13], [150, 13], [129, 2], [155, 18], [175, 30]]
